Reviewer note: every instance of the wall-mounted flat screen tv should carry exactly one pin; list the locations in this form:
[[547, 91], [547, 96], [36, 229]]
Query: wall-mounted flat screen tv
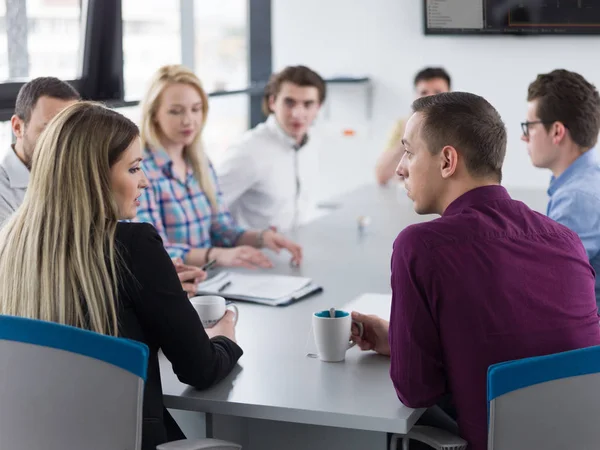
[[537, 17]]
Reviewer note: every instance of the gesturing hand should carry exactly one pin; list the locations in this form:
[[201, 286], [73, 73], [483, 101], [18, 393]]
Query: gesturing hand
[[276, 242]]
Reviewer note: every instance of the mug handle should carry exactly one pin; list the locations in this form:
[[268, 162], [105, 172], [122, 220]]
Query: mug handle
[[361, 330], [234, 308]]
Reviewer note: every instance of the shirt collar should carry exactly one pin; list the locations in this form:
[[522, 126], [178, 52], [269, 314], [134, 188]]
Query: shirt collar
[[476, 196], [587, 159], [275, 128], [17, 172], [159, 157]]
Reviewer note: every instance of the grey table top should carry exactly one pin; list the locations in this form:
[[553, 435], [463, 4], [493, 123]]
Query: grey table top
[[275, 379]]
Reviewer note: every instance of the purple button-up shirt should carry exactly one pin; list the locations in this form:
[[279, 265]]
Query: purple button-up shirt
[[489, 281]]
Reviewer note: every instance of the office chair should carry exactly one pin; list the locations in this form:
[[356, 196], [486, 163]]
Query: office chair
[[62, 387], [544, 402], [547, 402]]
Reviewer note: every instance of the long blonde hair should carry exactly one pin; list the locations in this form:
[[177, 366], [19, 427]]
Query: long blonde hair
[[58, 260], [150, 132]]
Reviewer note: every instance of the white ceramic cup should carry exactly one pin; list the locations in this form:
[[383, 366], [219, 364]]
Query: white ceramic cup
[[212, 308], [332, 334]]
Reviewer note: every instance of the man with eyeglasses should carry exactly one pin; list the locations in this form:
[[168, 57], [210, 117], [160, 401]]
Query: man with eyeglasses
[[562, 127]]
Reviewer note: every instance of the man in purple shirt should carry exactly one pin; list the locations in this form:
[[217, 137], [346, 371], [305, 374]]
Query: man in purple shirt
[[489, 281]]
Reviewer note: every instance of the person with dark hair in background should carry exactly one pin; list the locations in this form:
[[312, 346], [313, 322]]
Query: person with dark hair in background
[[37, 103], [429, 81], [561, 130], [261, 176], [489, 281]]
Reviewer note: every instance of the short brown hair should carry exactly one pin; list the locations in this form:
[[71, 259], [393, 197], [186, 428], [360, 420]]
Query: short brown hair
[[299, 75], [567, 97], [432, 73], [30, 93], [468, 123]]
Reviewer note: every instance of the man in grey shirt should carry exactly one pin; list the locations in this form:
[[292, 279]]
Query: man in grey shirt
[[37, 103]]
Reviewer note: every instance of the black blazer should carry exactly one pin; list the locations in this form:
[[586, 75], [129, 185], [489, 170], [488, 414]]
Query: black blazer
[[154, 309]]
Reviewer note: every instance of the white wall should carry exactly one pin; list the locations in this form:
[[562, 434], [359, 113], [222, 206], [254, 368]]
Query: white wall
[[384, 39]]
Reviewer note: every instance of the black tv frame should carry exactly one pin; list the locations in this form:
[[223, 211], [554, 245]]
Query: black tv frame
[[584, 31]]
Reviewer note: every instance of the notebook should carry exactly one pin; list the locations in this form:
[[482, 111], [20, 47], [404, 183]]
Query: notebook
[[273, 290]]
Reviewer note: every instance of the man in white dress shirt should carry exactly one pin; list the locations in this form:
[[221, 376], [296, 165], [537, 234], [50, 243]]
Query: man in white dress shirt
[[37, 103], [260, 176]]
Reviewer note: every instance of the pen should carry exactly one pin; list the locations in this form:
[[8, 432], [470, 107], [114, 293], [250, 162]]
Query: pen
[[208, 265], [225, 286]]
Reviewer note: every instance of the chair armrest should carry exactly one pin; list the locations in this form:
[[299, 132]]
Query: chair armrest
[[434, 437], [199, 444]]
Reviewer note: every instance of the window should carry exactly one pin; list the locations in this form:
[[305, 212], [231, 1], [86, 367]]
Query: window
[[221, 51], [49, 38], [221, 63], [40, 38], [151, 38]]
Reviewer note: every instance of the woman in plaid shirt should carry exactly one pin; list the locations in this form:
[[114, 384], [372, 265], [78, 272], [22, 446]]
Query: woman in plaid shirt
[[183, 201]]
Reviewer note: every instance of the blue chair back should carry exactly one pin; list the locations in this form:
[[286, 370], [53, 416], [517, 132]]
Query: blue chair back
[[545, 402], [63, 387]]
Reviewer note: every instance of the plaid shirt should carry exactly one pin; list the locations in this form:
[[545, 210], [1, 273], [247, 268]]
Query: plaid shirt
[[180, 211]]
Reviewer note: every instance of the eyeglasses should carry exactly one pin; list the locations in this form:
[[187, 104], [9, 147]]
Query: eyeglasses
[[525, 125]]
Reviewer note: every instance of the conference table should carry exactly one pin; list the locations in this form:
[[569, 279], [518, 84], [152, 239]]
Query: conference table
[[280, 397]]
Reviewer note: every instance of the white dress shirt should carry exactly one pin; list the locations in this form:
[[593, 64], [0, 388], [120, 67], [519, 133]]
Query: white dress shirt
[[263, 178], [14, 178]]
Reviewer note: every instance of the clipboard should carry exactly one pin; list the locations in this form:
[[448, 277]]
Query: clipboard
[[274, 290]]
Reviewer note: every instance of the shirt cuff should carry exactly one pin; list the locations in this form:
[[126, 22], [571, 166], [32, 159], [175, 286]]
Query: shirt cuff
[[228, 238], [237, 235]]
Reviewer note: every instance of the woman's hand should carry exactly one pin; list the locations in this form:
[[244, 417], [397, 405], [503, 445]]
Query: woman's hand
[[189, 276], [242, 256], [276, 242], [224, 327]]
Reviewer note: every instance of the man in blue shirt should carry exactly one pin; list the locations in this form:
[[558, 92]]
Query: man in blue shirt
[[561, 130]]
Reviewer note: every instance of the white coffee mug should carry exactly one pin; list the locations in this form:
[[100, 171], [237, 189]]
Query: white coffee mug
[[212, 308], [332, 334]]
